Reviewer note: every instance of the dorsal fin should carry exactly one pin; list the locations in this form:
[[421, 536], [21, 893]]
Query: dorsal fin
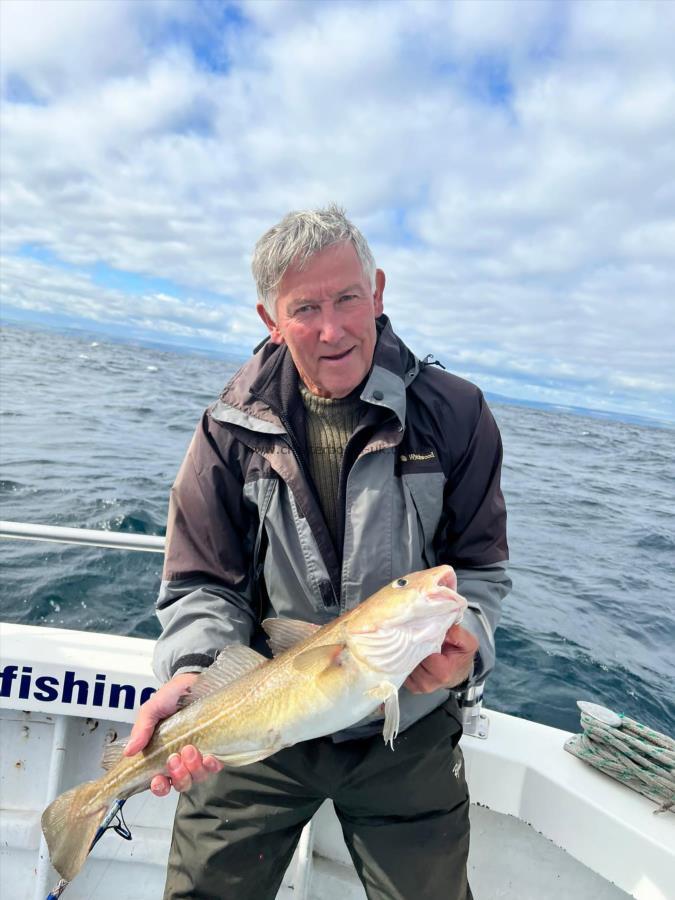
[[231, 663], [112, 753], [286, 633]]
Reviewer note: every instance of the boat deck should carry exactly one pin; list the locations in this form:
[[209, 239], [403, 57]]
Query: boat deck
[[508, 860]]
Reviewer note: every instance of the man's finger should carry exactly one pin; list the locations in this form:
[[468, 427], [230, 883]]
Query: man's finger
[[212, 764], [178, 772], [413, 684], [160, 705], [436, 667], [459, 638], [139, 737], [160, 786], [192, 759]]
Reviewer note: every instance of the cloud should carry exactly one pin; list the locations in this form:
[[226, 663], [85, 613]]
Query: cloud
[[511, 164], [35, 286]]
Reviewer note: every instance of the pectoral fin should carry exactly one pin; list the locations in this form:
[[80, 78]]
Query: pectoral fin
[[319, 659], [387, 693]]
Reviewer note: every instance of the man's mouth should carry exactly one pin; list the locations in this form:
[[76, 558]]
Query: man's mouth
[[336, 357]]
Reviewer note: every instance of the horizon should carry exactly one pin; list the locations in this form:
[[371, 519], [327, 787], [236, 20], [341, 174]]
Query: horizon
[[86, 333], [509, 163]]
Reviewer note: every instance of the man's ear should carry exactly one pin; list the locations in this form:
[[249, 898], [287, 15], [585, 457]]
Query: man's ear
[[378, 295], [275, 334]]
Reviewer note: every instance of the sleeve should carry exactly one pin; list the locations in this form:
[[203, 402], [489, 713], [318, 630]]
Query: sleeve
[[205, 600], [473, 537], [484, 589], [473, 530]]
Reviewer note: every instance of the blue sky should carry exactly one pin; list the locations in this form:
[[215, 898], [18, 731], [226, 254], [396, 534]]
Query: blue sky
[[511, 164]]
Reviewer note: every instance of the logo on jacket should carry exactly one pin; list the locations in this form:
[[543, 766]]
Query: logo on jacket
[[417, 457]]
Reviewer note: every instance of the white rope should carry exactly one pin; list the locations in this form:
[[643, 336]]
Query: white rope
[[637, 756]]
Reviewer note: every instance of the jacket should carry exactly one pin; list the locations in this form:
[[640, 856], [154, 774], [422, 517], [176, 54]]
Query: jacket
[[246, 537]]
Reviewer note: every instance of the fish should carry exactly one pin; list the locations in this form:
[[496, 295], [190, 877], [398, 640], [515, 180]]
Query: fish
[[246, 707]]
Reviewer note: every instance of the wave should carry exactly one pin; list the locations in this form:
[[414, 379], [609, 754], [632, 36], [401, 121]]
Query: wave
[[137, 522], [657, 540]]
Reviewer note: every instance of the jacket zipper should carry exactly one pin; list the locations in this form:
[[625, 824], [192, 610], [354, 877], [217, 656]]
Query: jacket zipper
[[290, 440]]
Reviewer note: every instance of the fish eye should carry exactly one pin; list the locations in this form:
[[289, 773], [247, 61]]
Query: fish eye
[[400, 582]]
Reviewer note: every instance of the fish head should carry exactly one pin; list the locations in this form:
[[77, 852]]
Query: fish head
[[406, 621]]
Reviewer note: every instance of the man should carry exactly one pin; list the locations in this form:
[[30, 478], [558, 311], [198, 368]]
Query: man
[[334, 462]]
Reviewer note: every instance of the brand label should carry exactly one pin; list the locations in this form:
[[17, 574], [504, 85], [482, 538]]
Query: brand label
[[417, 457]]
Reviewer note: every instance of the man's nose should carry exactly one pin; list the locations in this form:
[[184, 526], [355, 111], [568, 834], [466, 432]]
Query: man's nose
[[332, 331]]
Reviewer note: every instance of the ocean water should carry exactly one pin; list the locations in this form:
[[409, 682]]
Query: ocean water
[[92, 434]]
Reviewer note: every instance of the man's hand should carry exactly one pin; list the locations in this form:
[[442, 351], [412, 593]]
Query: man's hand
[[449, 667], [185, 768]]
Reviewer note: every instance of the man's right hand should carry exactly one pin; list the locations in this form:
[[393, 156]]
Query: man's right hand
[[185, 768]]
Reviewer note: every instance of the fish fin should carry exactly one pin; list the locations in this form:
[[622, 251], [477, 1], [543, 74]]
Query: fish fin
[[318, 659], [388, 693], [69, 825], [113, 752], [231, 663], [245, 758], [286, 633]]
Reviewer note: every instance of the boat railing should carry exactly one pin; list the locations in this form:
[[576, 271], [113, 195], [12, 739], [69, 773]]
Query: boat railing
[[88, 537]]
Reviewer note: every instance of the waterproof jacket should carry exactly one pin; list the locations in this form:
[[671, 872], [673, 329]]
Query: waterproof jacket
[[246, 536]]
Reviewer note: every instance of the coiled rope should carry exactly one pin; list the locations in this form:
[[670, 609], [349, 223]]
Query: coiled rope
[[637, 756]]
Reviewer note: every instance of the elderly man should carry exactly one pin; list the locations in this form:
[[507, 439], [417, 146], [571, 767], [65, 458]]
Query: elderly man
[[334, 461]]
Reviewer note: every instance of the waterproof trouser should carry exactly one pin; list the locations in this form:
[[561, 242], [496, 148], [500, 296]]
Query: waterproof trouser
[[404, 815]]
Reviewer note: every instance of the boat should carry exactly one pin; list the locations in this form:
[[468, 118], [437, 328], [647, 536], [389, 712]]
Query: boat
[[544, 825]]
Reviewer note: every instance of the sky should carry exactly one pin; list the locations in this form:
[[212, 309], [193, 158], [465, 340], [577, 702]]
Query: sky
[[512, 165]]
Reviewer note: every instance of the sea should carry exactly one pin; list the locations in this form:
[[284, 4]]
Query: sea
[[92, 432]]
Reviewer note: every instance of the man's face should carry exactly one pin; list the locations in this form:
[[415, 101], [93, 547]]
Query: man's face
[[325, 314]]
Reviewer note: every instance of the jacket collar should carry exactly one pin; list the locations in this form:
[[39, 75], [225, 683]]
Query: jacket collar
[[265, 389], [394, 368]]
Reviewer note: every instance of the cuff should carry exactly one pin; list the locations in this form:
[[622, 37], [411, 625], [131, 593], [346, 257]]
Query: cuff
[[192, 662]]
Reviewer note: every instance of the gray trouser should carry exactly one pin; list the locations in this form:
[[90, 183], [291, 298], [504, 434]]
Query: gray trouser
[[404, 816]]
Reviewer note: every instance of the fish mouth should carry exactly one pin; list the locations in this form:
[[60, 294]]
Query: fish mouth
[[441, 588]]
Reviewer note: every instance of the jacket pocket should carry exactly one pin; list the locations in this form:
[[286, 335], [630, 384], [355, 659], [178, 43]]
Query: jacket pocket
[[425, 491]]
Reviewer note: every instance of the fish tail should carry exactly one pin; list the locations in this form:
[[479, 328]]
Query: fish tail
[[70, 823]]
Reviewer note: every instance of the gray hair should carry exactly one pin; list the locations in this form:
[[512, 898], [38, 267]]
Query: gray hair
[[296, 238]]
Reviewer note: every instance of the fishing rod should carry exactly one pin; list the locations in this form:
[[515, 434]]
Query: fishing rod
[[120, 827]]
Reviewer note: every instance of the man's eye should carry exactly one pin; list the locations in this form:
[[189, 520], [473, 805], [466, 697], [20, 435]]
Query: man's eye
[[345, 297], [303, 310]]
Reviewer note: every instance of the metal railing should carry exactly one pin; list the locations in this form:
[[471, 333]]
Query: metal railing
[[87, 537]]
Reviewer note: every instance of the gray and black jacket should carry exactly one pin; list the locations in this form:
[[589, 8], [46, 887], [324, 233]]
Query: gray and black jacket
[[246, 536]]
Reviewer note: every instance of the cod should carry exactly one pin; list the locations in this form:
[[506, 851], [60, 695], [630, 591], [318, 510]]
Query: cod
[[246, 707]]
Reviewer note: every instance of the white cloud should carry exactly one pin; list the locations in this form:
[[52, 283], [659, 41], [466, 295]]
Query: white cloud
[[511, 164], [30, 285], [58, 46]]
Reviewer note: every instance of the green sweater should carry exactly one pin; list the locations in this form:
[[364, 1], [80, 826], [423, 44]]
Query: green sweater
[[329, 424]]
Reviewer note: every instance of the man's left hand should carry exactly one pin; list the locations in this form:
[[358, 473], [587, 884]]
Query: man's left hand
[[448, 668]]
